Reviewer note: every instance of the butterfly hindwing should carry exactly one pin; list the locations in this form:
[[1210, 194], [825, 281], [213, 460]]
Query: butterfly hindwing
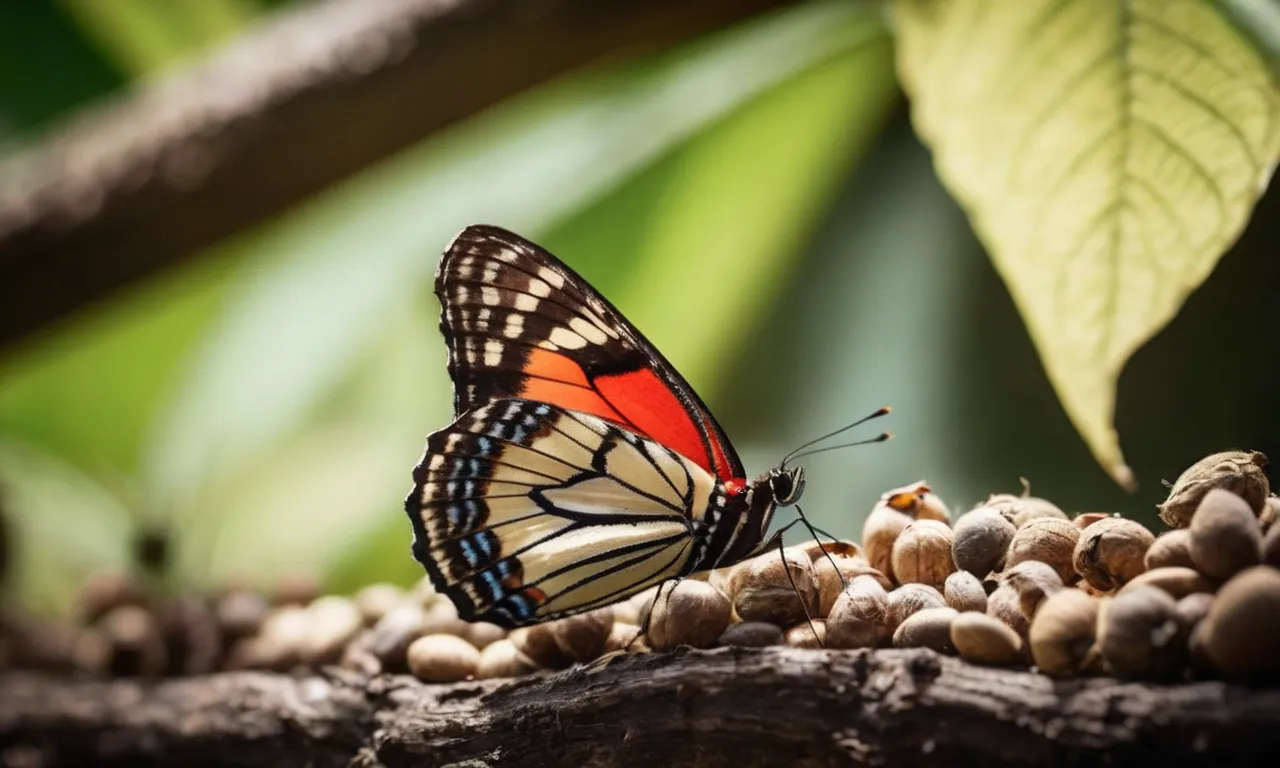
[[520, 323], [524, 511]]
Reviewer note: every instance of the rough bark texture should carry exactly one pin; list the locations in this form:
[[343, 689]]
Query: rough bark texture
[[289, 108], [726, 707]]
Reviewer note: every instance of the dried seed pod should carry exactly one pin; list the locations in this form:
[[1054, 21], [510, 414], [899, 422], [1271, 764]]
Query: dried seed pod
[[752, 634], [1005, 604], [922, 554], [879, 531], [335, 621], [980, 541], [298, 588], [137, 647], [443, 659], [642, 602], [1170, 549], [1140, 636], [982, 639], [803, 635], [1240, 472], [909, 599], [538, 644], [582, 638], [624, 637], [918, 501], [1270, 512], [1271, 547], [693, 613], [1034, 508], [389, 639], [101, 592], [856, 617], [1111, 552], [1050, 540], [1224, 535], [240, 612], [626, 612], [1176, 581], [1063, 635], [1086, 519], [964, 592], [832, 581], [762, 590], [375, 600], [817, 551], [501, 659], [1033, 581], [482, 634], [1191, 611], [927, 628], [1239, 633], [284, 632]]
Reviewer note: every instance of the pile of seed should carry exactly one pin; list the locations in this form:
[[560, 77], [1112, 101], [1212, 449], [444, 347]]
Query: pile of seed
[[1014, 582]]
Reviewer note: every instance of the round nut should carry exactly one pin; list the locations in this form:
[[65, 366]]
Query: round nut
[[1178, 582], [501, 659], [1033, 508], [752, 634], [1140, 636], [582, 638], [964, 592], [1170, 549], [1240, 472], [980, 541], [805, 636], [832, 581], [357, 656], [1050, 540], [1224, 535], [1269, 514], [1086, 519], [1111, 552], [335, 621], [389, 639], [1271, 547], [538, 644], [1063, 633], [137, 646], [909, 599], [692, 613], [1033, 581], [1005, 604], [1191, 611], [927, 628], [284, 632], [879, 532], [818, 550], [624, 637], [102, 591], [1239, 632], [762, 589], [918, 501], [443, 659], [442, 619], [856, 616], [482, 634], [375, 600], [240, 612], [297, 588], [191, 633], [424, 592], [922, 554], [981, 639]]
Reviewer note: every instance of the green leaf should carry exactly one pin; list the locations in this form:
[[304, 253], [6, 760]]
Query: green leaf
[[1260, 20], [1107, 154]]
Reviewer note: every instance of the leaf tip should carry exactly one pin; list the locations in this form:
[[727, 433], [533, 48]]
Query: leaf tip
[[1124, 477]]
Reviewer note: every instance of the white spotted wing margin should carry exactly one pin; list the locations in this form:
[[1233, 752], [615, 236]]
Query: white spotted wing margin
[[524, 512]]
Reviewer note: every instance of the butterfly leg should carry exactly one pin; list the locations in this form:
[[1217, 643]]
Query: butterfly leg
[[814, 530], [644, 625], [783, 554]]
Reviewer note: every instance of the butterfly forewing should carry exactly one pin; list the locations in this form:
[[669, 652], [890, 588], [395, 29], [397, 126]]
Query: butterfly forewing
[[524, 511]]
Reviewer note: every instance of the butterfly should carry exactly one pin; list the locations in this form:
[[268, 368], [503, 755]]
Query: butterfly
[[581, 468]]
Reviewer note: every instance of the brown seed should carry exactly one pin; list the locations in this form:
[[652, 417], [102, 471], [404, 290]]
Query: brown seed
[[832, 581], [1239, 633], [389, 639], [357, 656], [538, 644], [298, 588], [1178, 582], [642, 602], [1191, 611], [964, 592], [752, 634], [762, 590], [443, 659], [1271, 547], [1086, 519], [879, 531], [1170, 549], [1111, 552], [582, 638], [1050, 540], [501, 659], [980, 541], [103, 591], [240, 612], [805, 636], [1140, 636], [192, 638], [1063, 634], [918, 501], [1033, 508], [859, 612], [375, 600], [693, 613], [1005, 604], [1240, 472], [1270, 512], [818, 550], [981, 639], [624, 637], [334, 622], [927, 628], [137, 647], [922, 554], [1224, 535], [1033, 581], [442, 619], [283, 634], [482, 634], [91, 651], [909, 599], [424, 592]]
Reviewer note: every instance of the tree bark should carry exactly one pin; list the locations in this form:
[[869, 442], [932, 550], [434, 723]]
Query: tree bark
[[284, 111], [726, 707]]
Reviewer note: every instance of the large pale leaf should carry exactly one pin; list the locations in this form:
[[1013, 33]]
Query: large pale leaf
[[1107, 153]]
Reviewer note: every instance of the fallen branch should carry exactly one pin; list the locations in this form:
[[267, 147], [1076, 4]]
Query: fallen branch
[[308, 98], [730, 707]]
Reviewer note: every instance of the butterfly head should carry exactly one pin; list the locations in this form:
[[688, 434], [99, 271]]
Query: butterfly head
[[786, 484]]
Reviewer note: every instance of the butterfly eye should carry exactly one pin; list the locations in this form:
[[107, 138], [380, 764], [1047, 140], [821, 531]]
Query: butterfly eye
[[787, 485]]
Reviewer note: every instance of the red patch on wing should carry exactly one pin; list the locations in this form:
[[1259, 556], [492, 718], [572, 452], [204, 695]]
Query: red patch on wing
[[571, 397], [546, 364]]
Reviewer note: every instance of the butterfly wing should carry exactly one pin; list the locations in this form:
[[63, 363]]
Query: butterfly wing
[[524, 512], [520, 323]]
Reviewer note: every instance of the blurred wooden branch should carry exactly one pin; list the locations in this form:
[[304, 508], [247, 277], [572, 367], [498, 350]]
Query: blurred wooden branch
[[289, 108], [727, 707]]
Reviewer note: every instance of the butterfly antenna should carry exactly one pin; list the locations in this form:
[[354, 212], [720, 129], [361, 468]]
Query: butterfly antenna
[[880, 438], [795, 453]]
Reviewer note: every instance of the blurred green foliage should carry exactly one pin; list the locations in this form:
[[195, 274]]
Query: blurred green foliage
[[754, 201]]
